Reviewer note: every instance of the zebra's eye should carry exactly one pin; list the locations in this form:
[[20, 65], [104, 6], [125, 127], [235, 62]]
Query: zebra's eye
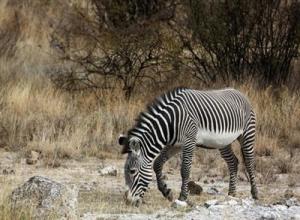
[[132, 171]]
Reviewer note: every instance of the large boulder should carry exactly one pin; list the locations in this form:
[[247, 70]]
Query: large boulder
[[46, 198]]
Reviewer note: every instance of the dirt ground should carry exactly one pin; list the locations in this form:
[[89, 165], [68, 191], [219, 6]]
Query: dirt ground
[[101, 197]]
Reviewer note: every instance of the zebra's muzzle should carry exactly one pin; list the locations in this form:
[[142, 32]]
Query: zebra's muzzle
[[130, 200]]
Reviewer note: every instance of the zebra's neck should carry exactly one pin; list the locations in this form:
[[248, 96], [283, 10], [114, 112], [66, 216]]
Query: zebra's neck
[[157, 127]]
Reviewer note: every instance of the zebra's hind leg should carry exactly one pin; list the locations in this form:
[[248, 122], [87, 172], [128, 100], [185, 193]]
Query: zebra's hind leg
[[165, 155], [232, 163], [247, 146]]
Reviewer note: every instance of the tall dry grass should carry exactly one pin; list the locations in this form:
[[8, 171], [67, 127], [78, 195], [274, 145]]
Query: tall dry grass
[[35, 115]]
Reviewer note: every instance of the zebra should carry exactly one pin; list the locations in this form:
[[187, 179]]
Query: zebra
[[178, 121]]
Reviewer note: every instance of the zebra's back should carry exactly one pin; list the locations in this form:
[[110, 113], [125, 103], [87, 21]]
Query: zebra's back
[[220, 115]]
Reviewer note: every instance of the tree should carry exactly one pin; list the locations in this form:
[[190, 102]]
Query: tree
[[246, 38], [109, 43]]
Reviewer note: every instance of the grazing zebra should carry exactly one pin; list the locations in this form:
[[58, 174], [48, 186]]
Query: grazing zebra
[[179, 120]]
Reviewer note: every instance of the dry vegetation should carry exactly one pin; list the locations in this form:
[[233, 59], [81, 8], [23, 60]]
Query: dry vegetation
[[36, 115]]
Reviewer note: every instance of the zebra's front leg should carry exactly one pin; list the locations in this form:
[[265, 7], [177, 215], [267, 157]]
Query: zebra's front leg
[[232, 163], [165, 155], [187, 156]]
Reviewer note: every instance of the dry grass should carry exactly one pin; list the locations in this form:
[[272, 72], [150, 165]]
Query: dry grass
[[37, 116], [34, 115]]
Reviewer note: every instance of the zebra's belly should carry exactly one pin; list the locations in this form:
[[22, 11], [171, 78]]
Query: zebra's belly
[[216, 140]]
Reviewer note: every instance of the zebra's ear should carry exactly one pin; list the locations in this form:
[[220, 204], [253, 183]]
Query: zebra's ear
[[123, 140]]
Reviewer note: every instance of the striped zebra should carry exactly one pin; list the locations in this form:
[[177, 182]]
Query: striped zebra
[[180, 120]]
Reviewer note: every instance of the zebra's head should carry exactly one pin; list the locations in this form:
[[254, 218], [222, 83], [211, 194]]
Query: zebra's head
[[137, 172]]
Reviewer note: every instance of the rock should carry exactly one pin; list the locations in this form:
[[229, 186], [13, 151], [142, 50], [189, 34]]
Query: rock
[[194, 188], [33, 157], [108, 171], [279, 207], [179, 204], [211, 203], [213, 191], [231, 202], [292, 202], [47, 198], [248, 202], [269, 216], [205, 181]]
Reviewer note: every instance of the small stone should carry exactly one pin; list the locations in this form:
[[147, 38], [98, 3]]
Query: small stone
[[108, 171], [205, 181], [179, 204], [292, 202], [211, 203], [230, 202], [33, 157], [280, 207], [268, 216], [213, 191], [194, 188], [217, 207], [247, 202]]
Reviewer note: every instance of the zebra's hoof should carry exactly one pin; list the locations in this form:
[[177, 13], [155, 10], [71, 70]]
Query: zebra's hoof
[[233, 194], [254, 194], [177, 204]]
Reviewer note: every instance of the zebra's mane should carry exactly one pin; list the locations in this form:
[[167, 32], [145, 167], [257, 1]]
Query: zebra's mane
[[152, 106]]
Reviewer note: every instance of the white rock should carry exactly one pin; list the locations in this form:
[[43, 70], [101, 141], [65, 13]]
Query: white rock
[[217, 207], [247, 202], [230, 202], [269, 215], [177, 203], [292, 202], [108, 171], [280, 207], [212, 191], [211, 203]]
